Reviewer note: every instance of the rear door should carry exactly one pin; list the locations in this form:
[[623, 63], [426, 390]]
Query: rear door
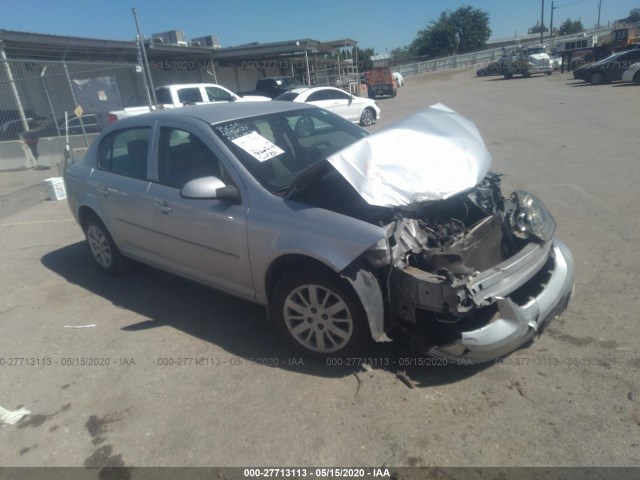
[[120, 183]]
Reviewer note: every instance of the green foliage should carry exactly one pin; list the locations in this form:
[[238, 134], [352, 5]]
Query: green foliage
[[536, 28], [570, 26], [634, 15], [364, 57], [465, 30]]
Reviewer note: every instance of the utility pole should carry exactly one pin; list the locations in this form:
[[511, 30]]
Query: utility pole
[[144, 59], [551, 26], [542, 24], [599, 8]]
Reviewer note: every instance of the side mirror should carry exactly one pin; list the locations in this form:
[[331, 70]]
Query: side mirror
[[210, 188]]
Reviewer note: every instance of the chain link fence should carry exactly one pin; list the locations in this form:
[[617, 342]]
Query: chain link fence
[[35, 96]]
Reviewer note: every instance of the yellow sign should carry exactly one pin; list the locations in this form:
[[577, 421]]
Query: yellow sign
[[78, 111]]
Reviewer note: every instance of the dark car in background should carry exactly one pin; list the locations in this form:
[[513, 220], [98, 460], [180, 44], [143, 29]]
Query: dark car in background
[[89, 123], [494, 68], [12, 129], [609, 69]]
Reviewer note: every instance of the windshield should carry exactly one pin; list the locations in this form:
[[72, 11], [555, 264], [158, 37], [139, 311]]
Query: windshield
[[287, 96], [610, 57], [288, 82], [277, 148]]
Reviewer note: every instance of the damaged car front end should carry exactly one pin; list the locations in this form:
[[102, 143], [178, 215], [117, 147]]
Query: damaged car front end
[[465, 273], [475, 276]]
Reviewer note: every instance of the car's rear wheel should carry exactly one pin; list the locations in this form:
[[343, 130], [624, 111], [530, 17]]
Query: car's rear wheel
[[103, 249], [597, 78], [508, 75], [319, 314], [368, 117]]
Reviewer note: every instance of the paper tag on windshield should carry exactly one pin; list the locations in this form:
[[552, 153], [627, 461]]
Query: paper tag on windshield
[[258, 147]]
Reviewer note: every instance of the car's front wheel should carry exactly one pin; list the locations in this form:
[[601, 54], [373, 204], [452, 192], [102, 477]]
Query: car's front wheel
[[102, 247], [636, 77], [319, 314], [368, 117]]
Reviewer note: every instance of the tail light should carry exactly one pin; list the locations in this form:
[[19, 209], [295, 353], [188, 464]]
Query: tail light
[[112, 118]]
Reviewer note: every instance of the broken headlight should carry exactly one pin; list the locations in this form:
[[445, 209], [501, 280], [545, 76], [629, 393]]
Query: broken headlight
[[531, 218]]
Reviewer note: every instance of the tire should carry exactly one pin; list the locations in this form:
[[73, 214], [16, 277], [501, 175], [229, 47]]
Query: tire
[[304, 126], [394, 92], [636, 78], [548, 73], [597, 78], [103, 249], [368, 117], [526, 73], [319, 314], [508, 75], [481, 73]]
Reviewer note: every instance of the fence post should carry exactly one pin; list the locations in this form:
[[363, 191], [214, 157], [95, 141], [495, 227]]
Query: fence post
[[14, 89]]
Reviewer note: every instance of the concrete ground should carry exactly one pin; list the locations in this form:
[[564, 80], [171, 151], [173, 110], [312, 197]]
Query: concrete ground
[[169, 373]]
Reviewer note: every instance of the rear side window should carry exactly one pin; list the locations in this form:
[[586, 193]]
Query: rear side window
[[124, 152], [190, 95]]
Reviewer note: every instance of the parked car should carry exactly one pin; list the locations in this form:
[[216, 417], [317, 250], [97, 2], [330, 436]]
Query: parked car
[[609, 69], [494, 68], [12, 129], [88, 123], [343, 236], [397, 76], [178, 95], [632, 74], [555, 62], [355, 109], [273, 86]]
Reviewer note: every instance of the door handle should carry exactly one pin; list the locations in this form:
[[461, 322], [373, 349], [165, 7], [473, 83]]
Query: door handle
[[163, 206], [104, 190]]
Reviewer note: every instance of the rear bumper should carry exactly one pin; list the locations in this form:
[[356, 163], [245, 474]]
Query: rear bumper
[[515, 324]]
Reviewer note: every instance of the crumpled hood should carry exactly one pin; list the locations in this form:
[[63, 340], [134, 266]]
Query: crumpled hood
[[431, 155]]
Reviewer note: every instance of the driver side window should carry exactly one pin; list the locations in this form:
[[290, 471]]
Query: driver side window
[[182, 157]]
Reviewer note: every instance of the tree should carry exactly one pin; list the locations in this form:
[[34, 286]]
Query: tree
[[570, 26], [364, 57], [634, 15], [463, 30], [536, 28], [401, 53]]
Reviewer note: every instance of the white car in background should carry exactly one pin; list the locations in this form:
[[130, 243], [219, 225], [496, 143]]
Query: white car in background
[[355, 109], [397, 76], [632, 74]]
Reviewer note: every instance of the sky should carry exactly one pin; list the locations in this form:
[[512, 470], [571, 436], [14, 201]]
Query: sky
[[379, 24]]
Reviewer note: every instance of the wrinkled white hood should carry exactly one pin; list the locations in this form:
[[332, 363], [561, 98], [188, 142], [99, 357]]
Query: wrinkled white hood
[[430, 155]]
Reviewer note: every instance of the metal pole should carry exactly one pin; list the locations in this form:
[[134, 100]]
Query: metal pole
[[599, 8], [75, 102], [542, 24], [144, 59], [551, 26], [14, 89], [46, 93], [144, 75], [306, 59]]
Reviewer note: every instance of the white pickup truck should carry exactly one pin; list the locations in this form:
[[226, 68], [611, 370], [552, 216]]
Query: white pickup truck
[[184, 94]]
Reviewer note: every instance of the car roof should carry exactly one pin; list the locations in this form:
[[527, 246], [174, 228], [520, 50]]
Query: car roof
[[189, 85], [214, 113]]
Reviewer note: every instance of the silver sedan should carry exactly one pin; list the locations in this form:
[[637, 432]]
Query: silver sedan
[[345, 237]]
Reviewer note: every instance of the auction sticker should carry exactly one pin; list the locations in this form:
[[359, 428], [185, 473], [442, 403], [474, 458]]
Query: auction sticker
[[258, 147]]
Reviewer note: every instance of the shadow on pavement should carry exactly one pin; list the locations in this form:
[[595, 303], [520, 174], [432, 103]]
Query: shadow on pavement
[[239, 327]]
